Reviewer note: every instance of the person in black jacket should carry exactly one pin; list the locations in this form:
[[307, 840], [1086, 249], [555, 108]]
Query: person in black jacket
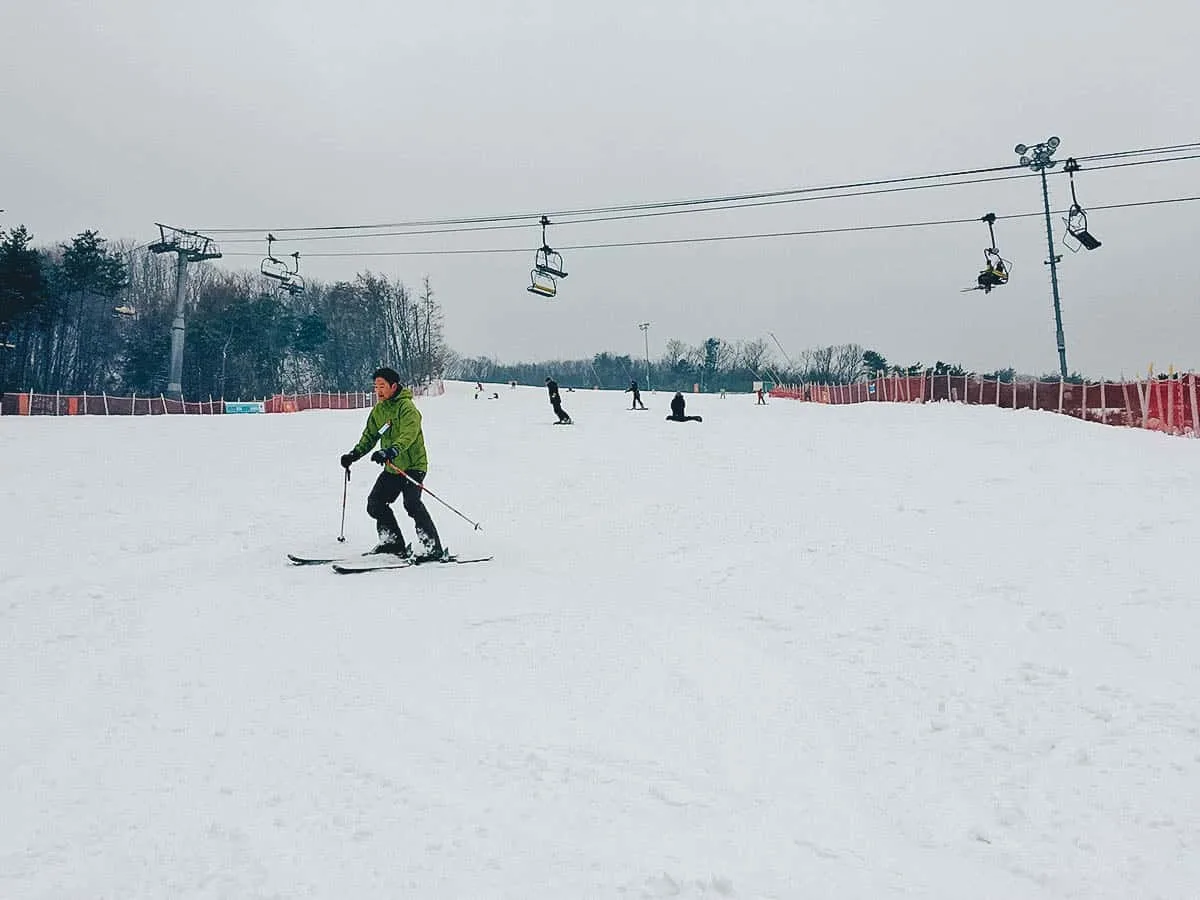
[[677, 407], [637, 396], [556, 402]]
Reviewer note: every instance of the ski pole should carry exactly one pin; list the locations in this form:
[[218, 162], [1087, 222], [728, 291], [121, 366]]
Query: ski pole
[[439, 499], [345, 487]]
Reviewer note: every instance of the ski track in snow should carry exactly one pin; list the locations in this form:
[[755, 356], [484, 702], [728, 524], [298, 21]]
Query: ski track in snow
[[793, 651]]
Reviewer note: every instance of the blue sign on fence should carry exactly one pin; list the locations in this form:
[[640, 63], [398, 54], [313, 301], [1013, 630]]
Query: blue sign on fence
[[251, 406]]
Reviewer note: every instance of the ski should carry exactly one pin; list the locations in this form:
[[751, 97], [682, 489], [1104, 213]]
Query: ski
[[358, 566], [297, 560]]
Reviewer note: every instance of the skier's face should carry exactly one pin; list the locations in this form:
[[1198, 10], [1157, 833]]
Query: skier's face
[[383, 390]]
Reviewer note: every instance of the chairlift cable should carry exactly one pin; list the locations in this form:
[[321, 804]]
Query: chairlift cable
[[343, 235], [643, 215], [728, 237], [637, 207], [705, 201], [1143, 152]]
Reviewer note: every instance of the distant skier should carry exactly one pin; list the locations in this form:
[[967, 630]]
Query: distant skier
[[677, 410], [556, 402], [395, 422], [762, 400], [637, 396]]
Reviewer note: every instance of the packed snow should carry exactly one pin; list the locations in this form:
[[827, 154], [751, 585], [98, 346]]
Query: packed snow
[[794, 651]]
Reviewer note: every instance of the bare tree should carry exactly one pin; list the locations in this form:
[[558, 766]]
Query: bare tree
[[847, 363], [674, 351], [753, 355], [818, 364]]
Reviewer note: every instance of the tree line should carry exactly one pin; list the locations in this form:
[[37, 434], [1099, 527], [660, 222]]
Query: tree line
[[90, 316], [712, 365]]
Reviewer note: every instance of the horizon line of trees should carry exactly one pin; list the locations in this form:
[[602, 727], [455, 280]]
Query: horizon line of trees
[[87, 316], [715, 365]]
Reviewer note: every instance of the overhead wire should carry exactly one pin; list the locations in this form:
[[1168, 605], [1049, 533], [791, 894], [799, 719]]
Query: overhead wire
[[597, 210], [726, 207], [1144, 151], [699, 204], [728, 237], [640, 215]]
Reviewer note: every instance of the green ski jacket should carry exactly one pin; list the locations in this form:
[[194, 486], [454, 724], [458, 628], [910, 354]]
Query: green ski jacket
[[396, 423]]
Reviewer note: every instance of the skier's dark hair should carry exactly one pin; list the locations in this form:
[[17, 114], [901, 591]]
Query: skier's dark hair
[[391, 376]]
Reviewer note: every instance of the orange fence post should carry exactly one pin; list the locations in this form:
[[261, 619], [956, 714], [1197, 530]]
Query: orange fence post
[[1195, 413]]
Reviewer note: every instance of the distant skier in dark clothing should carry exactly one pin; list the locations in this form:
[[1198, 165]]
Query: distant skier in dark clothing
[[677, 407], [637, 396], [761, 399], [556, 402]]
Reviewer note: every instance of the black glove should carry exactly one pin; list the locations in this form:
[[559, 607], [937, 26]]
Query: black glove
[[348, 459], [382, 456]]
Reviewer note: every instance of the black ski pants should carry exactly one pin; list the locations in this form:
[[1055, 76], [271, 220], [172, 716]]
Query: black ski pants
[[388, 487], [556, 405]]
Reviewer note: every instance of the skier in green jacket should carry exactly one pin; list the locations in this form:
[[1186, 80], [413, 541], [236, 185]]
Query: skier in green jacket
[[395, 422]]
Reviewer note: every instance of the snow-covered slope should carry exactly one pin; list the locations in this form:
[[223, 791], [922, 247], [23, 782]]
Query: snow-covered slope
[[794, 651]]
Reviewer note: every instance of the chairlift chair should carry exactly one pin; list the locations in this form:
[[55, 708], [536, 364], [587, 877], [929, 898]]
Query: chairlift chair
[[1076, 220], [546, 260], [996, 269], [542, 283], [272, 267], [292, 283], [549, 262]]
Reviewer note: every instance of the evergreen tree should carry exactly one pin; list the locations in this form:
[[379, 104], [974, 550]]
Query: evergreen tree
[[874, 363], [22, 282]]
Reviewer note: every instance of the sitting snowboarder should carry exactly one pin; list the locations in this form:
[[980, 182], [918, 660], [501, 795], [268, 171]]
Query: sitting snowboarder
[[677, 407]]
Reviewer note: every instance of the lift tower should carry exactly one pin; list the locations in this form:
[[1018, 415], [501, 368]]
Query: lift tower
[[189, 247]]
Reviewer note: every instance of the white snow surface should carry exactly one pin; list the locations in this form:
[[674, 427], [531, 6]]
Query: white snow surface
[[795, 651]]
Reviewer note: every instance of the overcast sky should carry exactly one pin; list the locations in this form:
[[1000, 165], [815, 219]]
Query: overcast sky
[[266, 115]]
